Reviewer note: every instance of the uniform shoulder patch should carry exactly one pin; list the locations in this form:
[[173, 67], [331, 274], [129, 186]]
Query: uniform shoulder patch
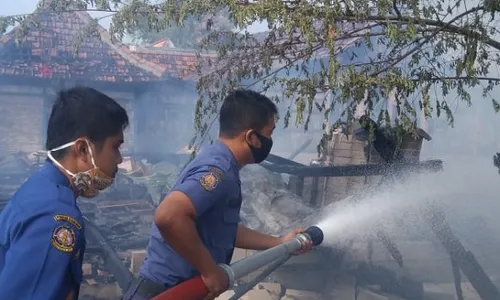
[[66, 218], [63, 239], [209, 181], [217, 172]]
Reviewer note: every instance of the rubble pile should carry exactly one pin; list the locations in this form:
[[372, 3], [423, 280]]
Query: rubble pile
[[344, 287], [268, 206], [15, 167], [123, 215]]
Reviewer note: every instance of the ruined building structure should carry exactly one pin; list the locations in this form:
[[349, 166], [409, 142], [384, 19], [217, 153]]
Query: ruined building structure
[[34, 67], [155, 83]]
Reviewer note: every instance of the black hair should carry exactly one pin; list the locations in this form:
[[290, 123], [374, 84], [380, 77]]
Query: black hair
[[243, 110], [83, 112]]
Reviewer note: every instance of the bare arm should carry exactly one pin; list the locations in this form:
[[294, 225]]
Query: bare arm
[[175, 219], [247, 238]]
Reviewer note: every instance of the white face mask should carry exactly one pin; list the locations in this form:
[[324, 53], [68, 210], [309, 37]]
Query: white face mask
[[88, 183]]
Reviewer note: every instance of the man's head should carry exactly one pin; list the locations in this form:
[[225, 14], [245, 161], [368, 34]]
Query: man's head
[[248, 119], [88, 127]]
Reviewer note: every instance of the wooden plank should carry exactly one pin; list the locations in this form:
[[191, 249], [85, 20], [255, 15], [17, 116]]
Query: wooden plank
[[483, 285], [120, 204], [457, 278], [356, 170], [111, 260]]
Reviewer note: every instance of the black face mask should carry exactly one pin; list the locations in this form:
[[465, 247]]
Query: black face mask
[[260, 154]]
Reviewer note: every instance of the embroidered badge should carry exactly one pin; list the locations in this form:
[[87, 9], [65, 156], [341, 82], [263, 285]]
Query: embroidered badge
[[209, 181], [217, 172], [63, 239], [68, 219]]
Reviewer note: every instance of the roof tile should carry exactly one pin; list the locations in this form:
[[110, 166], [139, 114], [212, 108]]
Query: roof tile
[[47, 51]]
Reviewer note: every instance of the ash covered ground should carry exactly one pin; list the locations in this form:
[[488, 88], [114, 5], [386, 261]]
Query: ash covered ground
[[361, 269]]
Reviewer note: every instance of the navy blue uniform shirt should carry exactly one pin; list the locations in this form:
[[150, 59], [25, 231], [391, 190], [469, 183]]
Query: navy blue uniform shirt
[[213, 184], [41, 240]]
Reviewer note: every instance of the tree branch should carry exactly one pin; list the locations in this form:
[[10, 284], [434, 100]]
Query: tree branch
[[434, 79], [427, 39]]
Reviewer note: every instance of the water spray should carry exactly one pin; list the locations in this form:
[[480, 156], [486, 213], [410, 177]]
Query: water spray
[[195, 289]]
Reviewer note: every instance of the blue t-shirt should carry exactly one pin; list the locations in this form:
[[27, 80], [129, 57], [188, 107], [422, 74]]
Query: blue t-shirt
[[213, 184]]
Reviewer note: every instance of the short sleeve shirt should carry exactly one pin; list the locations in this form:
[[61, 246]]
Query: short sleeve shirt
[[212, 183]]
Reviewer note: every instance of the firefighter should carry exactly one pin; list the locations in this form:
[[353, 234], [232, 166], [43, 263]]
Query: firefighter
[[197, 225], [42, 238]]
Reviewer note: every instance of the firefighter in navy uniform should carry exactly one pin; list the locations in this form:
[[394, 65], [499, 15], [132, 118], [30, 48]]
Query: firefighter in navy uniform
[[42, 238], [197, 225]]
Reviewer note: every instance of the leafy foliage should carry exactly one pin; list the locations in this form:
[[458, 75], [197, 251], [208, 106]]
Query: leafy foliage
[[414, 49]]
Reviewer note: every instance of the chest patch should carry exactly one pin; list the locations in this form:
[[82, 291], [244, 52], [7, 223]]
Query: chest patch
[[209, 181], [63, 239]]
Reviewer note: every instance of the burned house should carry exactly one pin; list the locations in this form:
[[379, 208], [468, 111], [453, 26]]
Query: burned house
[[68, 49], [156, 86]]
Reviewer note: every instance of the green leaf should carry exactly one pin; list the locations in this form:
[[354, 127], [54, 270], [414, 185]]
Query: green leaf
[[323, 59]]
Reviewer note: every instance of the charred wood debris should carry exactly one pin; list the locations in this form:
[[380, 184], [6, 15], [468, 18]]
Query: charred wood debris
[[119, 221]]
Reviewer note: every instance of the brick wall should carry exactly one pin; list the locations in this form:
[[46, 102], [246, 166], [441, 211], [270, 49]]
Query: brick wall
[[345, 150], [341, 150], [21, 118]]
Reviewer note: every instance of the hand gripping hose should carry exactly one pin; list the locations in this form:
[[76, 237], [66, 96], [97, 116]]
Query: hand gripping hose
[[195, 289]]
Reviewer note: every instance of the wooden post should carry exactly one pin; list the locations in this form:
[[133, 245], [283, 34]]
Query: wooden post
[[457, 278], [483, 285], [296, 185]]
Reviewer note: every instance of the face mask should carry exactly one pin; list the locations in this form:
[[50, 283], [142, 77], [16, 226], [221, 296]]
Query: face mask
[[88, 183], [260, 154]]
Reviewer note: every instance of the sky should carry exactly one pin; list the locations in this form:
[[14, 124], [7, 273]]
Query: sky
[[15, 7]]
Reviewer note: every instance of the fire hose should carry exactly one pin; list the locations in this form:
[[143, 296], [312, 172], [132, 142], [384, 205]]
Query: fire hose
[[195, 289]]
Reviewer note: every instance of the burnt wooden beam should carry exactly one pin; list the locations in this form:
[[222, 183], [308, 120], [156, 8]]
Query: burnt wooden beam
[[91, 249], [278, 160], [457, 278], [390, 245], [141, 243], [476, 275], [111, 259], [153, 157], [356, 170], [389, 281]]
